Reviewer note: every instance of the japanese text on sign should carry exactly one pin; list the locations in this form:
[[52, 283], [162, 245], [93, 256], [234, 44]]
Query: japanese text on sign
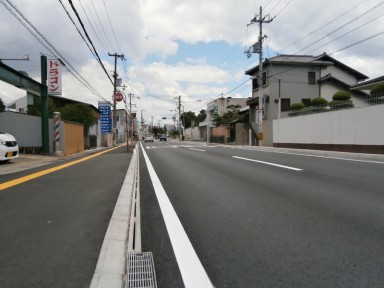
[[105, 117], [54, 77]]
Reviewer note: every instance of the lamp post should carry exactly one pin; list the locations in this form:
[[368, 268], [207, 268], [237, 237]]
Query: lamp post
[[25, 58]]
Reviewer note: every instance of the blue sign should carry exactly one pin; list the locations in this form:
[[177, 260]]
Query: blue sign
[[105, 117]]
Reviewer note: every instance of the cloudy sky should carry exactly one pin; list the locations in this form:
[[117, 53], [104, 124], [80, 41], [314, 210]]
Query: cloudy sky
[[180, 47]]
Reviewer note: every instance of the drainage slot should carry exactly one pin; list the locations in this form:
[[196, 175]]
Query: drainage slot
[[141, 270]]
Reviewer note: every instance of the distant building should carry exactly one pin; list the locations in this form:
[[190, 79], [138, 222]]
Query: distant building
[[218, 107]]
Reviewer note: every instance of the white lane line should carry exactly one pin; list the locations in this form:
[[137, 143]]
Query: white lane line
[[269, 163], [198, 149], [192, 271]]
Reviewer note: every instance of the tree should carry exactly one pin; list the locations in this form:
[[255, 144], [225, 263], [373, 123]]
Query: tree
[[35, 108], [2, 106], [79, 113], [187, 118], [231, 115], [201, 117]]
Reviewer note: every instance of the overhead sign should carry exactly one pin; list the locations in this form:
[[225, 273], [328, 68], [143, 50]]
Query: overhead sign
[[54, 77], [215, 110]]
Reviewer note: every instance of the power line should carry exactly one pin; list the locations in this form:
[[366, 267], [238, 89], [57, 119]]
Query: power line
[[110, 23], [282, 9], [50, 47], [102, 26], [345, 34], [73, 22], [89, 39], [323, 26], [93, 29], [342, 26], [359, 42]]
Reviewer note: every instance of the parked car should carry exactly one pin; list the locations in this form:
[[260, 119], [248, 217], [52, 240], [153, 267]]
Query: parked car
[[163, 137], [149, 138], [9, 148]]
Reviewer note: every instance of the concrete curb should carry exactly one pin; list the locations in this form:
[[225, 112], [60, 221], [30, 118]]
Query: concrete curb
[[112, 263]]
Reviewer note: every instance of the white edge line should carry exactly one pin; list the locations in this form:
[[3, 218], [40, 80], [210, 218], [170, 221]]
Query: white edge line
[[198, 149], [268, 163], [311, 155], [192, 271]]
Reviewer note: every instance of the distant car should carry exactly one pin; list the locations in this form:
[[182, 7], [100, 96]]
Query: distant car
[[149, 139], [163, 137], [9, 149]]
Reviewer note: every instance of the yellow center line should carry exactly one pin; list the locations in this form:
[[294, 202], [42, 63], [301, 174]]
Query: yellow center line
[[20, 180]]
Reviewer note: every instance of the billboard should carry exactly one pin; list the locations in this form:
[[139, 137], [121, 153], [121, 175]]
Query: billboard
[[54, 77], [105, 117]]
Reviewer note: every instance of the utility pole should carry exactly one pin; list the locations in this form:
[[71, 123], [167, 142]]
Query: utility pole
[[130, 115], [179, 108], [114, 120], [259, 49], [208, 136], [142, 123]]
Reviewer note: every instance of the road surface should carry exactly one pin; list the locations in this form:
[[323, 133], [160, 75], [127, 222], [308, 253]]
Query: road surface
[[266, 219]]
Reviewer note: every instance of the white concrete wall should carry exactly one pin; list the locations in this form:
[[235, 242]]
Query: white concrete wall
[[362, 126], [192, 134]]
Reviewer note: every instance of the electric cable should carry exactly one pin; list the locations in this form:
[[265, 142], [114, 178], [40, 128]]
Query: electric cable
[[102, 26], [323, 26], [93, 29], [40, 37], [73, 22], [342, 26], [89, 39]]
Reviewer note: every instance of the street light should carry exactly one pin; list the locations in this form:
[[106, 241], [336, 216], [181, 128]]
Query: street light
[[25, 58]]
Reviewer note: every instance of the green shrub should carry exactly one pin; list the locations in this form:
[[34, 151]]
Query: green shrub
[[378, 91], [297, 106], [341, 95], [319, 102]]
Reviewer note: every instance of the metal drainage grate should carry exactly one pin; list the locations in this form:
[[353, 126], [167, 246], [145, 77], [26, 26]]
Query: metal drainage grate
[[141, 270]]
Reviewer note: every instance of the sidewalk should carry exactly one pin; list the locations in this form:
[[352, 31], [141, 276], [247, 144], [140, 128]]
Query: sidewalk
[[29, 161]]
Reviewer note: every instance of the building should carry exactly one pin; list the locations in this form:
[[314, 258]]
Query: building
[[218, 107], [367, 86], [289, 79], [126, 126], [92, 140]]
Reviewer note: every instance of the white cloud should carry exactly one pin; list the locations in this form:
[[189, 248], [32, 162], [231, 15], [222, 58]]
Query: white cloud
[[149, 33]]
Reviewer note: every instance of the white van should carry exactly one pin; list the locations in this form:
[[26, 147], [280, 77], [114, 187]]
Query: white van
[[8, 147]]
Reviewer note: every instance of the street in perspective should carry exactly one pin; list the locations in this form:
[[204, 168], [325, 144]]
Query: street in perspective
[[253, 217], [191, 144]]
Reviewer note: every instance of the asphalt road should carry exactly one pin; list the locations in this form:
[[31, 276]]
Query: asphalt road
[[266, 219], [52, 227]]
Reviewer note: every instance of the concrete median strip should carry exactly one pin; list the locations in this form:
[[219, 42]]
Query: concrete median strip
[[111, 267]]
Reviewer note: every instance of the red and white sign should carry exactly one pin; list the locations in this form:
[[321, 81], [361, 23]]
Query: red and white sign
[[119, 96], [54, 77]]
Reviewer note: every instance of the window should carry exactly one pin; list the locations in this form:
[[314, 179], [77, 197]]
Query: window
[[306, 102], [255, 81], [311, 78], [285, 104]]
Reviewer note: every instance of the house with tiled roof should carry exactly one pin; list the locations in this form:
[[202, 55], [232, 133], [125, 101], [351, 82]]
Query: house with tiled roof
[[289, 79]]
